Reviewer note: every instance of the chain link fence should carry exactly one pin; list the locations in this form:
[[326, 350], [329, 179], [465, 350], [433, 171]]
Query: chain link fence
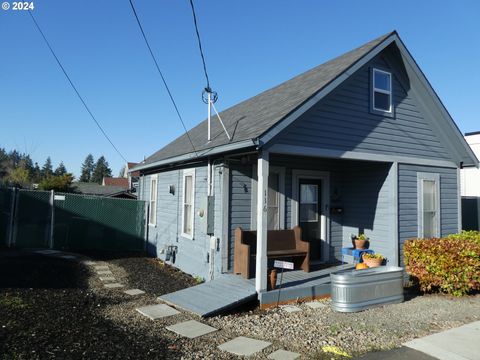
[[44, 219]]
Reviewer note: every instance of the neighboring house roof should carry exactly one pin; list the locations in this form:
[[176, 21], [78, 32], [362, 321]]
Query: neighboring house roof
[[99, 190], [119, 181], [257, 120], [131, 165]]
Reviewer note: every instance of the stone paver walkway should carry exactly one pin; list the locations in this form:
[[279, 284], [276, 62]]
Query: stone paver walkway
[[241, 346], [283, 355], [244, 346], [134, 292], [191, 329], [157, 311], [291, 308], [114, 285]]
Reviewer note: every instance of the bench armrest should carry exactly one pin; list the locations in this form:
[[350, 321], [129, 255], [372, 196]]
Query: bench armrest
[[241, 259]]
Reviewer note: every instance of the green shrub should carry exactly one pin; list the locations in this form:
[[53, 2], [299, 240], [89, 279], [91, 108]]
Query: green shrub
[[450, 265]]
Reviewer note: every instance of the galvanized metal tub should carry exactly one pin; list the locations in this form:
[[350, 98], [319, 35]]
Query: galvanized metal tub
[[356, 290]]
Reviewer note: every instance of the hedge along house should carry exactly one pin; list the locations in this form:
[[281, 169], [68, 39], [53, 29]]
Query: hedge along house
[[360, 144]]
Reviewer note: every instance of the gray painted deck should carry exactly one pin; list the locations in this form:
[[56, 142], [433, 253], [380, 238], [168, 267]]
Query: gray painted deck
[[213, 297], [301, 285], [230, 291]]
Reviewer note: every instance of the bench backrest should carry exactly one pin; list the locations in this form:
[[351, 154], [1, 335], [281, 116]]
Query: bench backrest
[[276, 240]]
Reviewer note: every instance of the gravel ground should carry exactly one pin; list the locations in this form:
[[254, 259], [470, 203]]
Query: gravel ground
[[57, 309]]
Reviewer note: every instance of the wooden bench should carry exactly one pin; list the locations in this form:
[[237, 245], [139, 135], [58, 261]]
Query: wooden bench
[[280, 244]]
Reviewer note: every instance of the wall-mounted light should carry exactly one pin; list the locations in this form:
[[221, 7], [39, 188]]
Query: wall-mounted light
[[171, 189]]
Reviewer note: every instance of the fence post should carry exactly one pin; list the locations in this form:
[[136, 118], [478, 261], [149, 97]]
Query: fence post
[[15, 217], [147, 214], [52, 218], [11, 224]]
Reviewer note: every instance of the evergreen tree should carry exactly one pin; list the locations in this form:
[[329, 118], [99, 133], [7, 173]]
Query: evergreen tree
[[87, 169], [60, 170], [3, 165], [27, 163], [47, 169], [36, 174], [101, 170]]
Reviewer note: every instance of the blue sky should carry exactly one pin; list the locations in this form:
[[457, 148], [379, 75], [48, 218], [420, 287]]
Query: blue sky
[[250, 46]]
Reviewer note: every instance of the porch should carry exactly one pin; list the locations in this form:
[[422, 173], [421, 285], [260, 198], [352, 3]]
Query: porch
[[329, 198], [231, 291]]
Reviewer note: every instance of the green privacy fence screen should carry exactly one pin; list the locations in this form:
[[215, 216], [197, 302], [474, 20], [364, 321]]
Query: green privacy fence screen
[[32, 219], [5, 210], [76, 222], [88, 222]]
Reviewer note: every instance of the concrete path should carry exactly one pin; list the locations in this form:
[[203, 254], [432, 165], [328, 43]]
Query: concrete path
[[402, 353], [462, 343]]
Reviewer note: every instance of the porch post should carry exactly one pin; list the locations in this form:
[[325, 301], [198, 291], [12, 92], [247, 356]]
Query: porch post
[[262, 198]]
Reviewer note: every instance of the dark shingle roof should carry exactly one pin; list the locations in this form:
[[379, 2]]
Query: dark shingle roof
[[253, 117], [96, 189]]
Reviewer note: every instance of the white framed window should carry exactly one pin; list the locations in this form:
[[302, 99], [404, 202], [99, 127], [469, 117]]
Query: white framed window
[[188, 203], [308, 205], [381, 91], [152, 220], [428, 205]]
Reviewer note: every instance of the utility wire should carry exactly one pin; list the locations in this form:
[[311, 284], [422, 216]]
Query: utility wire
[[74, 87], [208, 89], [161, 75]]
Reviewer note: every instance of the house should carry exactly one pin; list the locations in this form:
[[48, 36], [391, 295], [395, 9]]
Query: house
[[470, 187], [116, 181], [359, 144], [470, 176], [128, 180], [95, 189]]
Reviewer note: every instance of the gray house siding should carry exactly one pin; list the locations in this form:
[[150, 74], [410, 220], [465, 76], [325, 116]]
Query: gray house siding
[[369, 206], [240, 202], [193, 255], [343, 120], [408, 200]]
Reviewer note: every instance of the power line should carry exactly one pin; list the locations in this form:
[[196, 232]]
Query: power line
[[161, 75], [74, 87], [200, 46]]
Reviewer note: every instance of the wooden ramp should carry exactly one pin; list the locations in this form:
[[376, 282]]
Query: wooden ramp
[[213, 297]]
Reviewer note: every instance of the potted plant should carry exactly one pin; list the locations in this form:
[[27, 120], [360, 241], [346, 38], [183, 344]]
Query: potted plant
[[360, 242], [373, 260]]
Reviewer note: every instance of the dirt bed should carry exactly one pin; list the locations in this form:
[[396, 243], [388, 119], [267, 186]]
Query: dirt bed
[[52, 308]]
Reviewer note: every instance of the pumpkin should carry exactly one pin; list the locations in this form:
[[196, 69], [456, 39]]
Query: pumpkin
[[361, 266]]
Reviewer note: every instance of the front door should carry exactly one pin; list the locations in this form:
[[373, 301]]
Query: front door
[[309, 215]]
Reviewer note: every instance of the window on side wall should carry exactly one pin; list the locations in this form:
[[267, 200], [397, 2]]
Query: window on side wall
[[153, 201], [188, 203], [428, 205], [381, 91]]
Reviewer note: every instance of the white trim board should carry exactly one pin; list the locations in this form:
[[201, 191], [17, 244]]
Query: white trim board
[[355, 155], [324, 176], [188, 172], [280, 170]]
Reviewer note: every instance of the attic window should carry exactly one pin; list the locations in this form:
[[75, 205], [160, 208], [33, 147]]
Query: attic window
[[382, 91]]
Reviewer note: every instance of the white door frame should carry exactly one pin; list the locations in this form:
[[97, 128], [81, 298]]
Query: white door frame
[[324, 176]]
